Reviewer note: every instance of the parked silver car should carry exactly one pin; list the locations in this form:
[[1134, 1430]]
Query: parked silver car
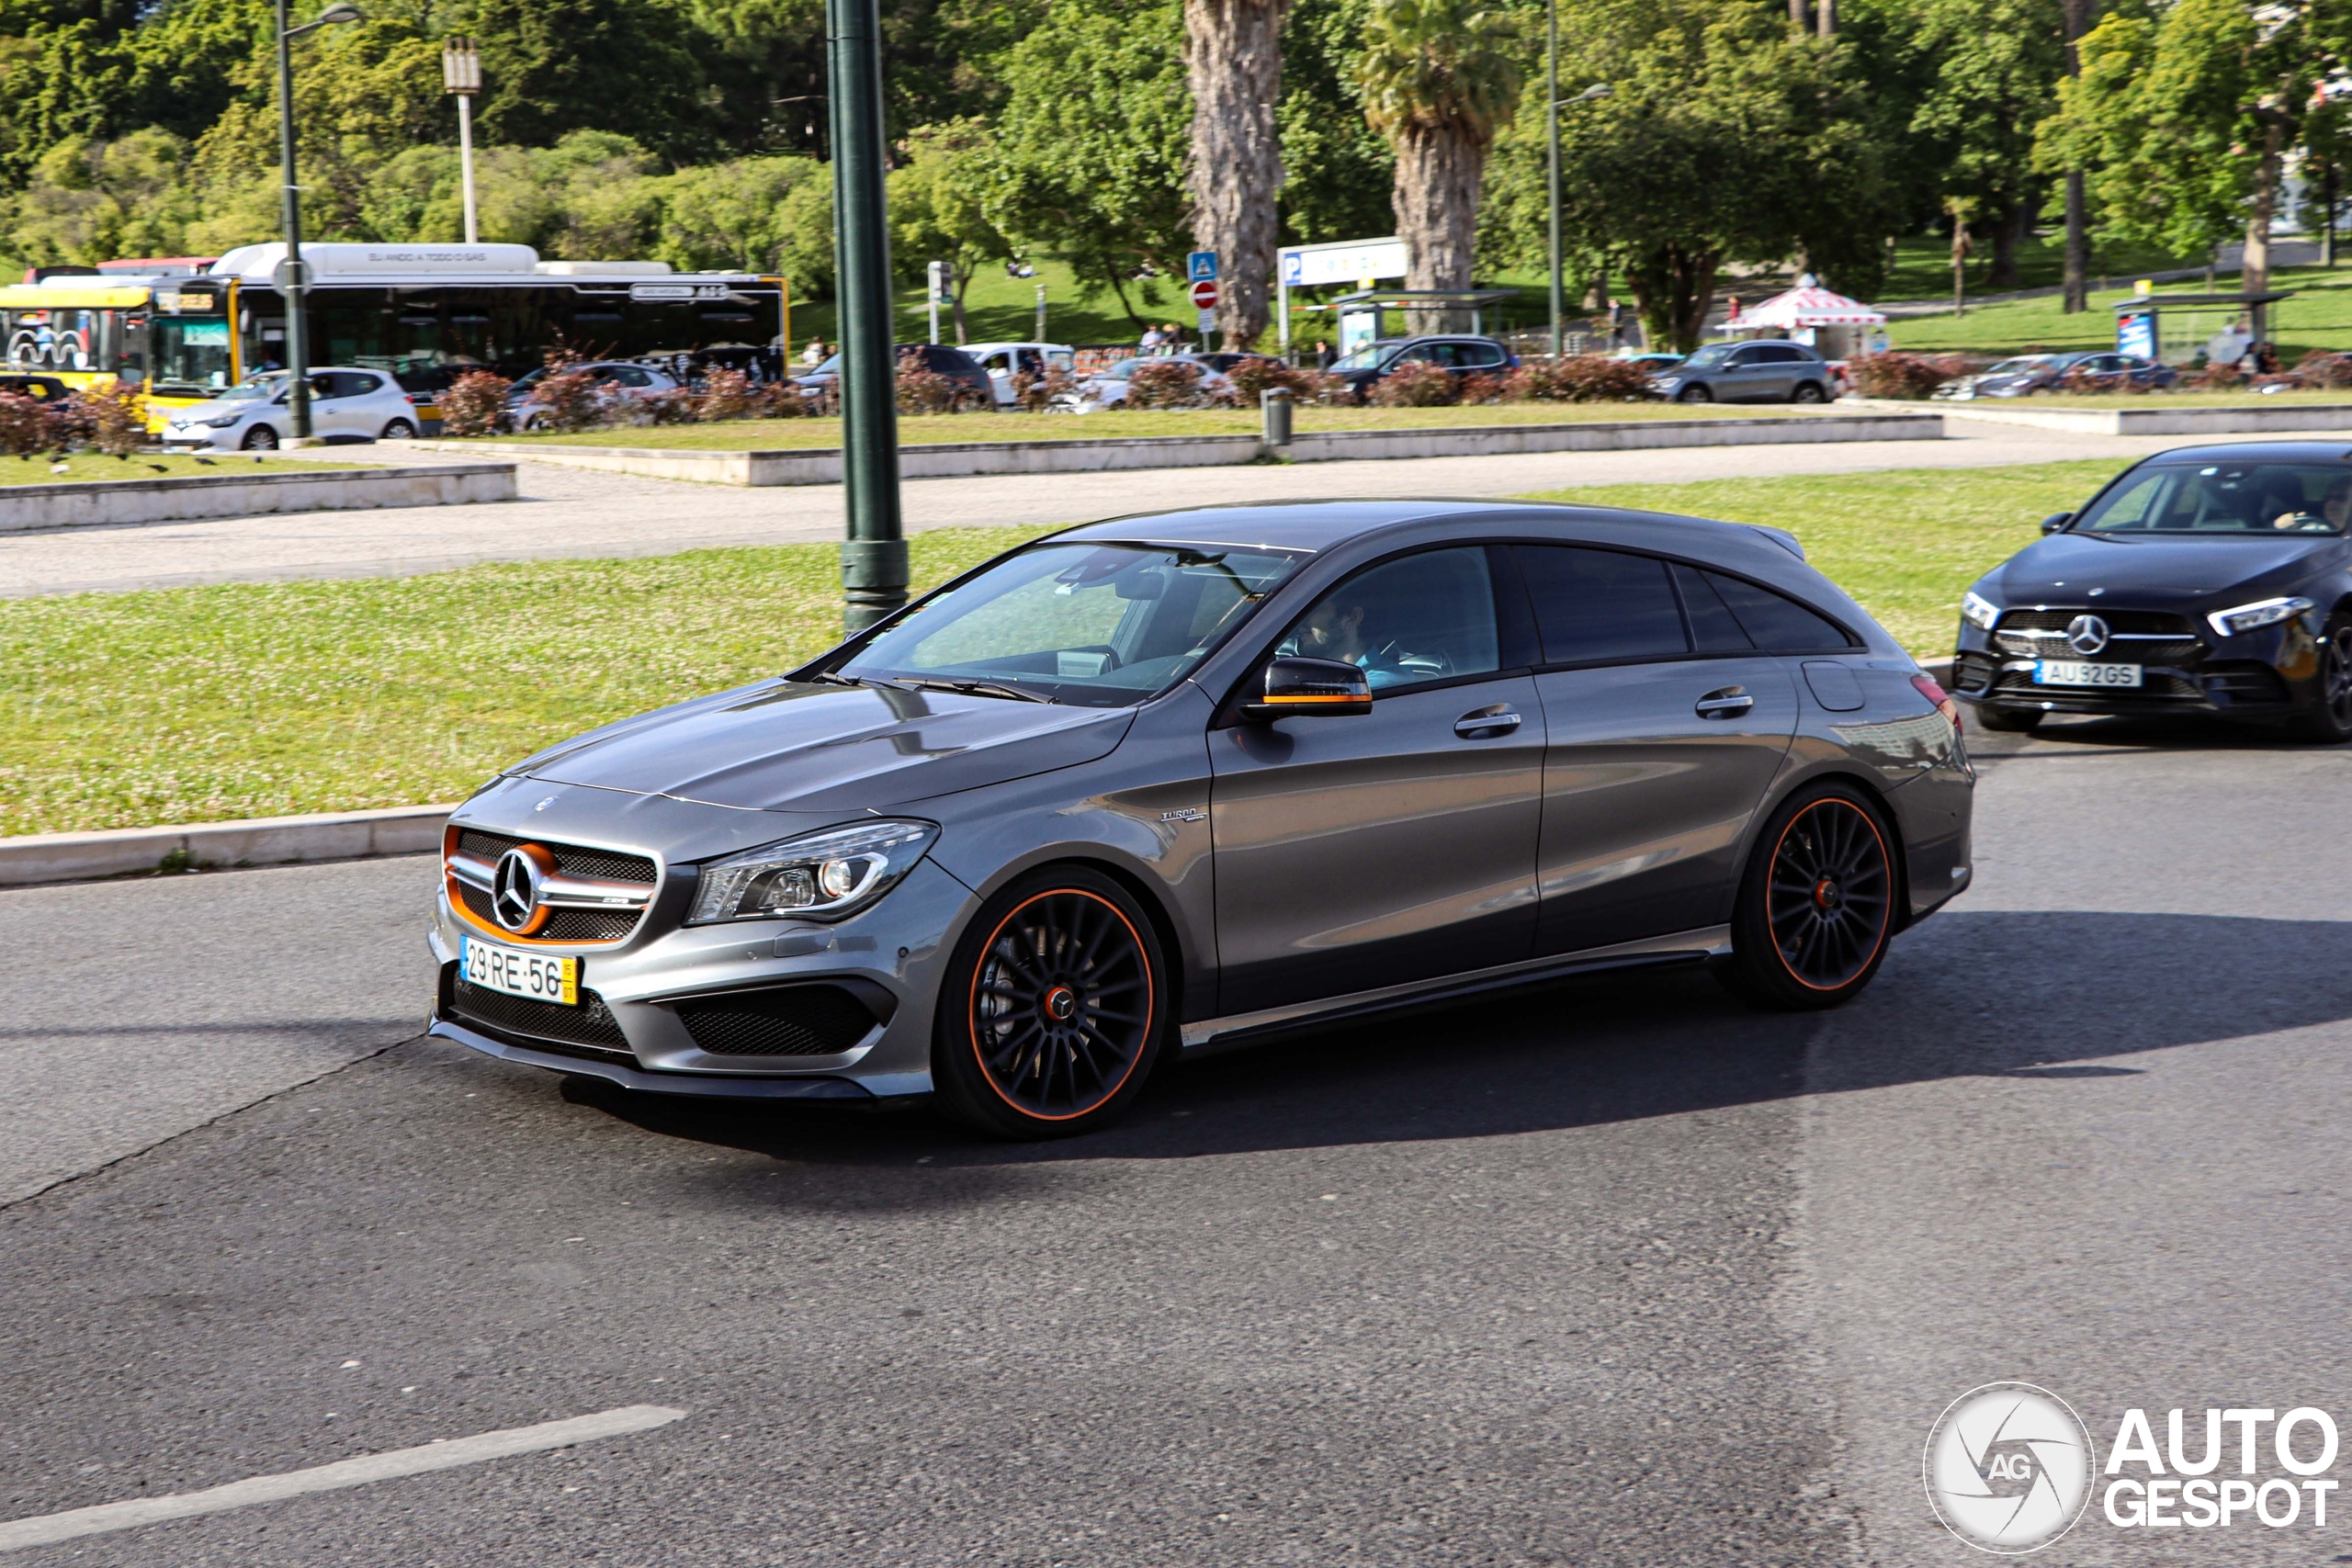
[[1748, 373], [621, 380], [1153, 786], [252, 416], [1108, 388]]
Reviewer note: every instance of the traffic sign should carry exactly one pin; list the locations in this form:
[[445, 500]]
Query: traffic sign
[[1200, 267], [1204, 295]]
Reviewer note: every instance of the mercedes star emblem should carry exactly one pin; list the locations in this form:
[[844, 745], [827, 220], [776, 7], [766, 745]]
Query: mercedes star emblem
[[2085, 635], [515, 891]]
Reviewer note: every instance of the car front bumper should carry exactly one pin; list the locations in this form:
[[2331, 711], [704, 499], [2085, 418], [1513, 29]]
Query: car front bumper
[[2270, 674], [665, 1012]]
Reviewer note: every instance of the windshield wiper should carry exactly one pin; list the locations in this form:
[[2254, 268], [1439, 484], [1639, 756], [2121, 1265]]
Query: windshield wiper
[[977, 688]]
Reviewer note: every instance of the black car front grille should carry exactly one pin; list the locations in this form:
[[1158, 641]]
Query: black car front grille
[[563, 925], [789, 1021], [2142, 637], [540, 1026], [2155, 687], [2135, 621]]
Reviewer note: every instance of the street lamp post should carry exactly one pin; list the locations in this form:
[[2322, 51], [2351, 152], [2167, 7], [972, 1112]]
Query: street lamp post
[[292, 278], [1551, 99], [461, 78], [873, 556]]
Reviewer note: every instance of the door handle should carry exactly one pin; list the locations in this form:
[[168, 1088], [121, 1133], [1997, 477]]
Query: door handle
[[1482, 722], [1724, 703]]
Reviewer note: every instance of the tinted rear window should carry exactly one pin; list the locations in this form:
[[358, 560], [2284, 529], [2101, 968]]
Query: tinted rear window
[[1601, 604], [1774, 624]]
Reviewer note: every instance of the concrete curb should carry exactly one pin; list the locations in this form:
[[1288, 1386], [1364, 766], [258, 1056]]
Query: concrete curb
[[37, 858], [2161, 421], [120, 502], [823, 465]]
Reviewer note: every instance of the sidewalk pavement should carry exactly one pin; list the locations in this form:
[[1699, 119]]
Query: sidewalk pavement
[[570, 513]]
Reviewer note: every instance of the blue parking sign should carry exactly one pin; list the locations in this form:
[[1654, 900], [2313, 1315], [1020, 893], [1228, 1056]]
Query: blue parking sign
[[1200, 267]]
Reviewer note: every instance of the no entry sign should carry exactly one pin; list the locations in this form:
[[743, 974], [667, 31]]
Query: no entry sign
[[1204, 295]]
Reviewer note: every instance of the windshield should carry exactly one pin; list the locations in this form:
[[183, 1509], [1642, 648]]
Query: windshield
[[1367, 357], [2225, 497], [1707, 358], [193, 353], [267, 385], [2019, 366], [1101, 625]]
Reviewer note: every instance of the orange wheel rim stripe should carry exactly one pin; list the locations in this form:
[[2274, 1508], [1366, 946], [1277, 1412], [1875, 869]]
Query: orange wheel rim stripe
[[972, 1005]]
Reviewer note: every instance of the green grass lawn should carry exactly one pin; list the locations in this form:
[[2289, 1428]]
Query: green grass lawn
[[260, 699], [1906, 543], [775, 434], [2320, 316], [1922, 268], [86, 468]]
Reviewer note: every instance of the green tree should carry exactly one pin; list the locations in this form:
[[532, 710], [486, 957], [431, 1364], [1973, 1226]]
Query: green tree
[[91, 201], [1093, 142], [1439, 77], [1995, 68], [939, 210], [1337, 169], [1234, 65], [722, 217], [625, 65], [2184, 120]]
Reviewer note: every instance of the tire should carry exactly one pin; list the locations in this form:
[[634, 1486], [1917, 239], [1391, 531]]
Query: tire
[[1818, 904], [2008, 721], [971, 402], [1006, 1058], [260, 438], [399, 430], [2330, 724], [1697, 393], [1808, 392]]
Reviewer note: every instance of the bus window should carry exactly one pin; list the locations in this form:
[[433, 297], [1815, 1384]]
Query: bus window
[[54, 340], [191, 354]]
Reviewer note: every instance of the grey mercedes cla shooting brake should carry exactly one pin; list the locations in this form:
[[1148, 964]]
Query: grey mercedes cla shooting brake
[[1157, 785]]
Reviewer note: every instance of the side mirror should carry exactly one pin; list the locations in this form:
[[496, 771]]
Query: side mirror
[[2056, 521], [1297, 687]]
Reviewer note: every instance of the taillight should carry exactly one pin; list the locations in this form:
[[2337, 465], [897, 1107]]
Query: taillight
[[1937, 695]]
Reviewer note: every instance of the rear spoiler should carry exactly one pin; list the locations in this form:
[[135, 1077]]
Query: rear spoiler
[[1781, 537]]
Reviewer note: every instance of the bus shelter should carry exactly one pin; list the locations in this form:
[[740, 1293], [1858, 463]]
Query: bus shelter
[[2179, 329], [1363, 313]]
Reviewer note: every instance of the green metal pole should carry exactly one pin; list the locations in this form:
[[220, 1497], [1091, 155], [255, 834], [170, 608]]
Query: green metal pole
[[298, 369], [1551, 116], [873, 556]]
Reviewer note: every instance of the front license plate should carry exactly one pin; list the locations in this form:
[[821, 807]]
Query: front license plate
[[2082, 673], [532, 974]]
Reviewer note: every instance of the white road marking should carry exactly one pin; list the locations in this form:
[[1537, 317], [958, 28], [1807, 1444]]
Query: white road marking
[[436, 1455]]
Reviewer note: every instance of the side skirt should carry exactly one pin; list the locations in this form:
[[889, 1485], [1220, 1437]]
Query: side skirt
[[1700, 946]]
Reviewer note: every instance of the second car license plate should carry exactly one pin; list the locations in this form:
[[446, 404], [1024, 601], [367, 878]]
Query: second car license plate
[[535, 975], [2082, 673]]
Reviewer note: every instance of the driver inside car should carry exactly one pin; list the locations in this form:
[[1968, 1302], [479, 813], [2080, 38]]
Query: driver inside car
[[2333, 515]]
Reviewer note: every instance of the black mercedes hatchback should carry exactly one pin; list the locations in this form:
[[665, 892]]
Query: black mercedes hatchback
[[2209, 581]]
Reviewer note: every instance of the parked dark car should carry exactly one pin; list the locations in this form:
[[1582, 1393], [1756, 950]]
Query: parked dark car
[[2211, 580], [973, 387], [41, 388], [2026, 374], [1748, 373], [1153, 788], [1367, 366]]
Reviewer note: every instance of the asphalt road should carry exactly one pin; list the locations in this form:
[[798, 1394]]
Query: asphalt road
[[1612, 1274]]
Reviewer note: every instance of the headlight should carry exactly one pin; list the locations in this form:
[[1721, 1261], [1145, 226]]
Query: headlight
[[817, 877], [221, 422], [1668, 382], [2253, 617], [1978, 610]]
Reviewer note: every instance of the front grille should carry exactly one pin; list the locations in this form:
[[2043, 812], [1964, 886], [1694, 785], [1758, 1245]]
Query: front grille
[[1973, 673], [542, 1025], [562, 925], [791, 1020], [2146, 635]]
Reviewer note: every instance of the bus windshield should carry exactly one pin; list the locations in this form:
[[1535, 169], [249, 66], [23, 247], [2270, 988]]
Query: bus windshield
[[191, 354]]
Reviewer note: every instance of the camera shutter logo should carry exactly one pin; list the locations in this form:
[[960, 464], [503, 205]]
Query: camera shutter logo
[[2086, 634], [2008, 1468]]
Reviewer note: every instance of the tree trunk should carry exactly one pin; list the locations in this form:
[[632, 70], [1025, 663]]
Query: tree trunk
[[1673, 289], [1826, 14], [2076, 22], [2254, 277], [962, 278], [2330, 178], [1800, 15], [1436, 199], [1233, 58], [2007, 236]]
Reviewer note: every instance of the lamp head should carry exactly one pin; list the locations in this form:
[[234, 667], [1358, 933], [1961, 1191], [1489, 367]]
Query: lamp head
[[334, 16]]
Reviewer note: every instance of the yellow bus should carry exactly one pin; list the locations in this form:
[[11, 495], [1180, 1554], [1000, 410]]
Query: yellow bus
[[425, 314]]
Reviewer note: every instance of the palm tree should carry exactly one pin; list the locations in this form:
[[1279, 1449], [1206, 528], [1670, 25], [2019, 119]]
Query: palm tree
[[1234, 59], [1439, 79]]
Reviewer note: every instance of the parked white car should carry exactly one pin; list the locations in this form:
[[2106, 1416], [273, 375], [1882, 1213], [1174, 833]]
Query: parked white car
[[1108, 388], [252, 416], [1004, 361], [618, 378]]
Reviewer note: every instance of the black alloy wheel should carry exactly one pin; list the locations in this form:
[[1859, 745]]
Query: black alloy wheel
[[1696, 393], [2330, 720], [1817, 905], [1054, 1009], [260, 438]]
